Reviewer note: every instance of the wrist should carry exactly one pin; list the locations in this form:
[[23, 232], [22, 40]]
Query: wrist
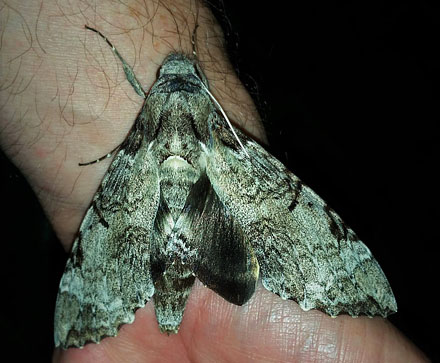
[[69, 101]]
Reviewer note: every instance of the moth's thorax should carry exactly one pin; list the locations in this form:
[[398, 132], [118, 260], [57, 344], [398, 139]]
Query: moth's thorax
[[178, 132]]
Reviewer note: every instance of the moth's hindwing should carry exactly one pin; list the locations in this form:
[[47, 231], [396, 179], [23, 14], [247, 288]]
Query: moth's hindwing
[[222, 258], [107, 276], [306, 253]]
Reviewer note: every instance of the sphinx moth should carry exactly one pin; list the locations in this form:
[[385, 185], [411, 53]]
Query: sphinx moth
[[186, 196]]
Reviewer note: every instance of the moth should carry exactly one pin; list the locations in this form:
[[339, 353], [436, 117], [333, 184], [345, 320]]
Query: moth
[[186, 196]]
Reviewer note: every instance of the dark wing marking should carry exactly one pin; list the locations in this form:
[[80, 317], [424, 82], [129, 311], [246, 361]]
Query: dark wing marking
[[218, 251]]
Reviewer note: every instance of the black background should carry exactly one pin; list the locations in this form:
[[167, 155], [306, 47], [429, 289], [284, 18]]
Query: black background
[[346, 91]]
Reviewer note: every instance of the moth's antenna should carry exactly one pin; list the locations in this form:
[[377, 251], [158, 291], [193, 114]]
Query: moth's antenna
[[194, 40], [194, 32], [226, 117], [127, 69]]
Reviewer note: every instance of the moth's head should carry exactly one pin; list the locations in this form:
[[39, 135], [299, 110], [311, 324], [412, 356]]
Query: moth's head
[[180, 65]]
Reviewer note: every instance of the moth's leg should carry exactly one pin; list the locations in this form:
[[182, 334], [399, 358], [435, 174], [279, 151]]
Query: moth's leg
[[108, 155], [127, 69]]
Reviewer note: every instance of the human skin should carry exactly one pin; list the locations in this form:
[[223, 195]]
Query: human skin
[[64, 100]]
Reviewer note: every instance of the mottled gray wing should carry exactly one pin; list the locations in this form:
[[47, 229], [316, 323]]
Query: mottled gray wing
[[215, 246], [107, 276], [305, 251]]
